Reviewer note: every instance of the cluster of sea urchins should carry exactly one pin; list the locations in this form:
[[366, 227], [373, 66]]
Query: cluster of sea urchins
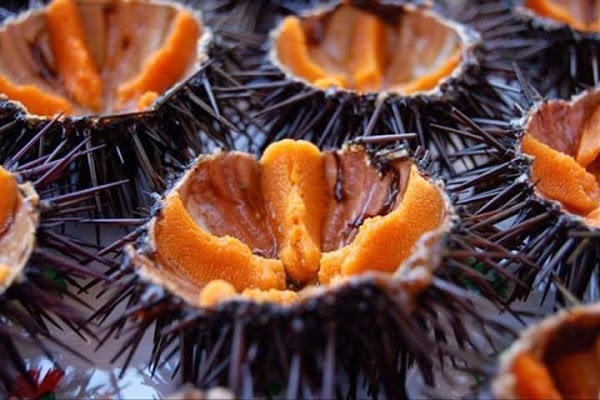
[[340, 186]]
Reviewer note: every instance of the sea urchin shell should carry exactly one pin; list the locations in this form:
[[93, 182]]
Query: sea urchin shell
[[563, 137], [558, 358], [580, 15], [297, 219], [370, 50]]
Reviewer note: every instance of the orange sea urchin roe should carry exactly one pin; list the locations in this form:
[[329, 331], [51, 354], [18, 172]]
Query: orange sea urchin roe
[[583, 15], [84, 58], [358, 50], [168, 64], [293, 185], [571, 179], [296, 218], [35, 100], [73, 59], [8, 198], [292, 50], [202, 257]]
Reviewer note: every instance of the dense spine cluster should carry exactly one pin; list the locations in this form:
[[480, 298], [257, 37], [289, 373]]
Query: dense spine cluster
[[44, 295]]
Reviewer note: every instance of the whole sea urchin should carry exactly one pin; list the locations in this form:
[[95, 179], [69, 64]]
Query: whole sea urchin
[[125, 85], [319, 249]]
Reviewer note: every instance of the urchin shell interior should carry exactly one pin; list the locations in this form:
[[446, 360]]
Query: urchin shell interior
[[564, 139], [19, 218], [558, 358], [90, 57], [401, 49], [290, 224], [581, 15]]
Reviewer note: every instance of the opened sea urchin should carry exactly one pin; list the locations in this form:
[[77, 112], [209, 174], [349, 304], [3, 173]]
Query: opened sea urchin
[[563, 139], [333, 73], [19, 218], [557, 358], [317, 249], [366, 51], [539, 196], [295, 220], [118, 72], [88, 58]]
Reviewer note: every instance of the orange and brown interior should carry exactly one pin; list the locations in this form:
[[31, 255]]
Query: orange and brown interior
[[566, 365], [16, 227], [96, 57], [297, 218], [397, 50], [582, 15], [564, 140]]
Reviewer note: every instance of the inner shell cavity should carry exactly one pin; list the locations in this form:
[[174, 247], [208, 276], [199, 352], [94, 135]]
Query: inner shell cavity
[[293, 219], [401, 50]]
